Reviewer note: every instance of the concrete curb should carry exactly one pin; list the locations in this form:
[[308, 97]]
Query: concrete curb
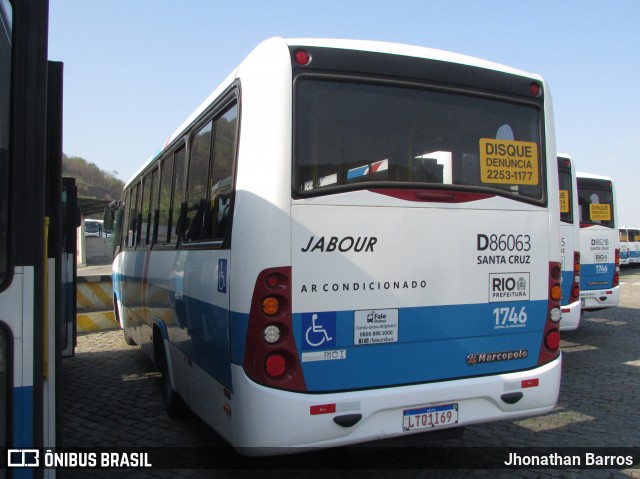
[[94, 293], [96, 321]]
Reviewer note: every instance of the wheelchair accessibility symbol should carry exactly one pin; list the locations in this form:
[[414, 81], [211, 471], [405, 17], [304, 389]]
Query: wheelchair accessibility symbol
[[319, 330], [222, 276]]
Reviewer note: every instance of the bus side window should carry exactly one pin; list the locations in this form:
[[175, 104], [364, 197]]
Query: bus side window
[[178, 193], [197, 183], [144, 210], [221, 180], [164, 202], [133, 217]]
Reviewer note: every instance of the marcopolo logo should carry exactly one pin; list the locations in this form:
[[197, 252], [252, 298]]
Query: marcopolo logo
[[480, 358], [508, 287]]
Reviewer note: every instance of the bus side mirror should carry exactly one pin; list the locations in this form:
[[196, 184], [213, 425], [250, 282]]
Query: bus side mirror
[[109, 218], [110, 214]]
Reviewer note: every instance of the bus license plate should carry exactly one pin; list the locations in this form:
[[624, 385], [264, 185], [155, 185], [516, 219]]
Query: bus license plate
[[429, 417]]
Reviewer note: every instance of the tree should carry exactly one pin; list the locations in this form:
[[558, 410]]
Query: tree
[[92, 182]]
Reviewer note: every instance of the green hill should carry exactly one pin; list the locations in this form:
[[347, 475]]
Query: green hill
[[92, 182]]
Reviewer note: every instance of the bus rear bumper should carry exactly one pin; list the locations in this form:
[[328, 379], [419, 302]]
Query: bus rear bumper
[[268, 421], [600, 298], [570, 316]]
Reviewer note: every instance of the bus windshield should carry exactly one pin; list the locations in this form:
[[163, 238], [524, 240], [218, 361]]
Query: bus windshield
[[352, 135], [596, 202]]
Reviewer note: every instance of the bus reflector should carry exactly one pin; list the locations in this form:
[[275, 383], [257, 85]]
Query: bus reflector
[[530, 383], [322, 409]]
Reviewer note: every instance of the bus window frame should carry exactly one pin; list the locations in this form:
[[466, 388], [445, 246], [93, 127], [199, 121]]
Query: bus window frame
[[226, 102], [605, 186], [567, 217]]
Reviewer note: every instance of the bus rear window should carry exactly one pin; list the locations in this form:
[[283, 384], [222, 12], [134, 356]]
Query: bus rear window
[[566, 208], [351, 135], [596, 202]]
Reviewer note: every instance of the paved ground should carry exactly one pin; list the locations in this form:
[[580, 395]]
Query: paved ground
[[111, 397]]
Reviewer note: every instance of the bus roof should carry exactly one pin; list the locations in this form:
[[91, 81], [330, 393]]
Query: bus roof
[[405, 50], [358, 45], [592, 176]]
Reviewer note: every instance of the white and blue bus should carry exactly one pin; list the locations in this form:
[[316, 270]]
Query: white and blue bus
[[569, 243], [285, 258], [599, 242], [624, 245], [633, 243], [37, 241]]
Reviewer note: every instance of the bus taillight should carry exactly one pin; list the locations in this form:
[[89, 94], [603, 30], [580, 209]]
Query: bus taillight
[[616, 271], [552, 339], [575, 287], [270, 356], [550, 347]]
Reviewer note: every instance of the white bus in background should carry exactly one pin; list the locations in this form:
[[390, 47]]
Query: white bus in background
[[94, 228], [307, 299], [599, 242], [633, 235], [624, 245], [569, 243]]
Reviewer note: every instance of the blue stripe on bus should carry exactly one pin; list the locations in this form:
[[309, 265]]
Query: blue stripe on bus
[[567, 281], [430, 347], [23, 416], [201, 332], [434, 344], [596, 276]]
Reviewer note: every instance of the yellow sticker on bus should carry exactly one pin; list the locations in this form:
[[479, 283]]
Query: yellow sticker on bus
[[564, 201], [508, 162], [600, 212]]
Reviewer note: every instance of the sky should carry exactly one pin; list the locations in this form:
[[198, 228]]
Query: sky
[[136, 69]]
